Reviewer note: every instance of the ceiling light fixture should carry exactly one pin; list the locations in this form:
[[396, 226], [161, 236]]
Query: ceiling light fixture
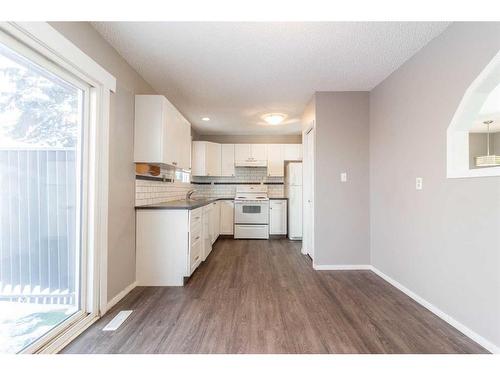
[[274, 118], [488, 160], [205, 118]]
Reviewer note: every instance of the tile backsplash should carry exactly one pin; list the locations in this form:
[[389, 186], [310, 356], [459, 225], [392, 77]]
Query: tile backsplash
[[152, 192], [157, 191], [226, 186]]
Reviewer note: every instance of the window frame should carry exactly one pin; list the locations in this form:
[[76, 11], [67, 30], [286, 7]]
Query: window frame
[[43, 45]]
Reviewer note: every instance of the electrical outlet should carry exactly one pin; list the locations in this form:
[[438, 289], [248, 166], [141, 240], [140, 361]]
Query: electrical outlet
[[343, 177], [419, 183]]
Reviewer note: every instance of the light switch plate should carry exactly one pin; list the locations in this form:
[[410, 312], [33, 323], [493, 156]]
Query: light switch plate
[[419, 183], [343, 177]]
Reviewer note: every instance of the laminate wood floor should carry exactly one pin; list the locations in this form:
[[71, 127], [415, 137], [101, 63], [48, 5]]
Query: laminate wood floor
[[254, 296]]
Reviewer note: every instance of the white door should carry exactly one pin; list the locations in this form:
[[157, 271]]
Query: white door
[[227, 160], [277, 217], [308, 191], [275, 164], [226, 216]]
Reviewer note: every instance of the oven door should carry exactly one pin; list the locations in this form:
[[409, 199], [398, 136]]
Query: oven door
[[251, 212]]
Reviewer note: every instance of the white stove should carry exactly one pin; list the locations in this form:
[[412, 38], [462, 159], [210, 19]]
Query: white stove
[[251, 212], [251, 193]]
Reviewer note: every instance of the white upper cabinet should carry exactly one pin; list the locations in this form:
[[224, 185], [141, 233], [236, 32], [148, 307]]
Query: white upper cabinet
[[248, 152], [161, 134], [259, 152], [214, 158], [275, 163], [227, 160], [206, 159], [292, 152], [185, 151], [242, 152]]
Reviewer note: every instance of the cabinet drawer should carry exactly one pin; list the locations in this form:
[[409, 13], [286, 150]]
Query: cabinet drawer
[[195, 234], [278, 202], [195, 255], [195, 217]]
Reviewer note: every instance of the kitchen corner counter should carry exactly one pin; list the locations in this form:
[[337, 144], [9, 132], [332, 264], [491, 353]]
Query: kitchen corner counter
[[181, 204]]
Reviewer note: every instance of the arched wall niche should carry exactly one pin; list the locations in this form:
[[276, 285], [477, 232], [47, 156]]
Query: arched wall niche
[[469, 116]]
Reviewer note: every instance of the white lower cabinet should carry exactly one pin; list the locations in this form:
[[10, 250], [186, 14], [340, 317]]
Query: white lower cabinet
[[277, 216], [165, 250], [171, 244], [207, 230], [196, 252], [215, 221], [226, 217]]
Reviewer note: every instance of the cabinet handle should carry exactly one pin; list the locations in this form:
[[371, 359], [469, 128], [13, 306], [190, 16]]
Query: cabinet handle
[[198, 257], [197, 238]]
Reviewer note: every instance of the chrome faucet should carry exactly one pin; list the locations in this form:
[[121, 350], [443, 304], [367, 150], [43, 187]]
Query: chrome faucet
[[189, 193]]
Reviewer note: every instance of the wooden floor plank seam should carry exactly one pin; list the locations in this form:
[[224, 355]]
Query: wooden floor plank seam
[[254, 296]]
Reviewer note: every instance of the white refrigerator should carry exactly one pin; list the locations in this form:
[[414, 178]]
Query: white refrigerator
[[293, 190]]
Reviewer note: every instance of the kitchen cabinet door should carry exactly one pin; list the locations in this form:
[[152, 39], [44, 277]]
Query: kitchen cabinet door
[[259, 152], [275, 163], [207, 230], [185, 142], [171, 146], [215, 221], [213, 159], [161, 134], [149, 128], [206, 158], [277, 216], [227, 160], [292, 152], [242, 152], [198, 158], [226, 216]]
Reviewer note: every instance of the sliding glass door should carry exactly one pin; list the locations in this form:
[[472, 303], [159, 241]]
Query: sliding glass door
[[42, 260]]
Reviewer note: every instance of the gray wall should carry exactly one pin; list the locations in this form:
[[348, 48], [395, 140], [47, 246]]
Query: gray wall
[[342, 209], [121, 227], [297, 138], [443, 242]]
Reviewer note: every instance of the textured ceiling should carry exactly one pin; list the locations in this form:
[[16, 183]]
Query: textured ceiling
[[236, 72]]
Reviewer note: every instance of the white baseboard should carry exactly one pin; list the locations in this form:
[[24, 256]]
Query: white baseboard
[[119, 297], [448, 319], [341, 267]]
